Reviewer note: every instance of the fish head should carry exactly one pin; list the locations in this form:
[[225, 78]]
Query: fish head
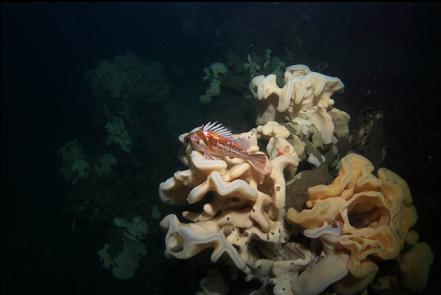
[[194, 137]]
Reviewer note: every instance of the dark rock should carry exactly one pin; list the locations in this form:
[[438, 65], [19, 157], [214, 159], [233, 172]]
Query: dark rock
[[297, 189], [368, 139]]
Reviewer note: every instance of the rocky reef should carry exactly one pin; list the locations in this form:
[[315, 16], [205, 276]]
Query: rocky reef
[[315, 219]]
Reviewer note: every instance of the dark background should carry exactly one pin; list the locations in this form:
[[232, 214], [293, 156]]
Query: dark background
[[387, 55]]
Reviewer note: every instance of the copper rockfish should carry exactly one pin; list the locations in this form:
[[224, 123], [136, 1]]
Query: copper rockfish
[[216, 141]]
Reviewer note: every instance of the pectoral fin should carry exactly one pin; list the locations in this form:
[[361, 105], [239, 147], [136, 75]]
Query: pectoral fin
[[208, 156], [258, 161]]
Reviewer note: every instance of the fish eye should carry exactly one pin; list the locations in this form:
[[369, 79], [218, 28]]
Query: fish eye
[[187, 139]]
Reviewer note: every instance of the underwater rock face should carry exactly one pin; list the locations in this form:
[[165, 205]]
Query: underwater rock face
[[368, 139], [297, 188]]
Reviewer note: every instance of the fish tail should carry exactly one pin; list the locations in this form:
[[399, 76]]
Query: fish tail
[[259, 161]]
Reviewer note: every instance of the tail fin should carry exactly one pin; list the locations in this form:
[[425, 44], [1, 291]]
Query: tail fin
[[259, 161]]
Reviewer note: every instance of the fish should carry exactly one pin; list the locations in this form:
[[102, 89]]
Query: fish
[[216, 141]]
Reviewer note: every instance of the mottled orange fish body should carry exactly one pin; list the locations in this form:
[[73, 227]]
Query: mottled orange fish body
[[216, 141]]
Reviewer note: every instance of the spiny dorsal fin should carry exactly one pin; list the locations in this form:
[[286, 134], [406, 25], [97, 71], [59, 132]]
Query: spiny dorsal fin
[[218, 129]]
